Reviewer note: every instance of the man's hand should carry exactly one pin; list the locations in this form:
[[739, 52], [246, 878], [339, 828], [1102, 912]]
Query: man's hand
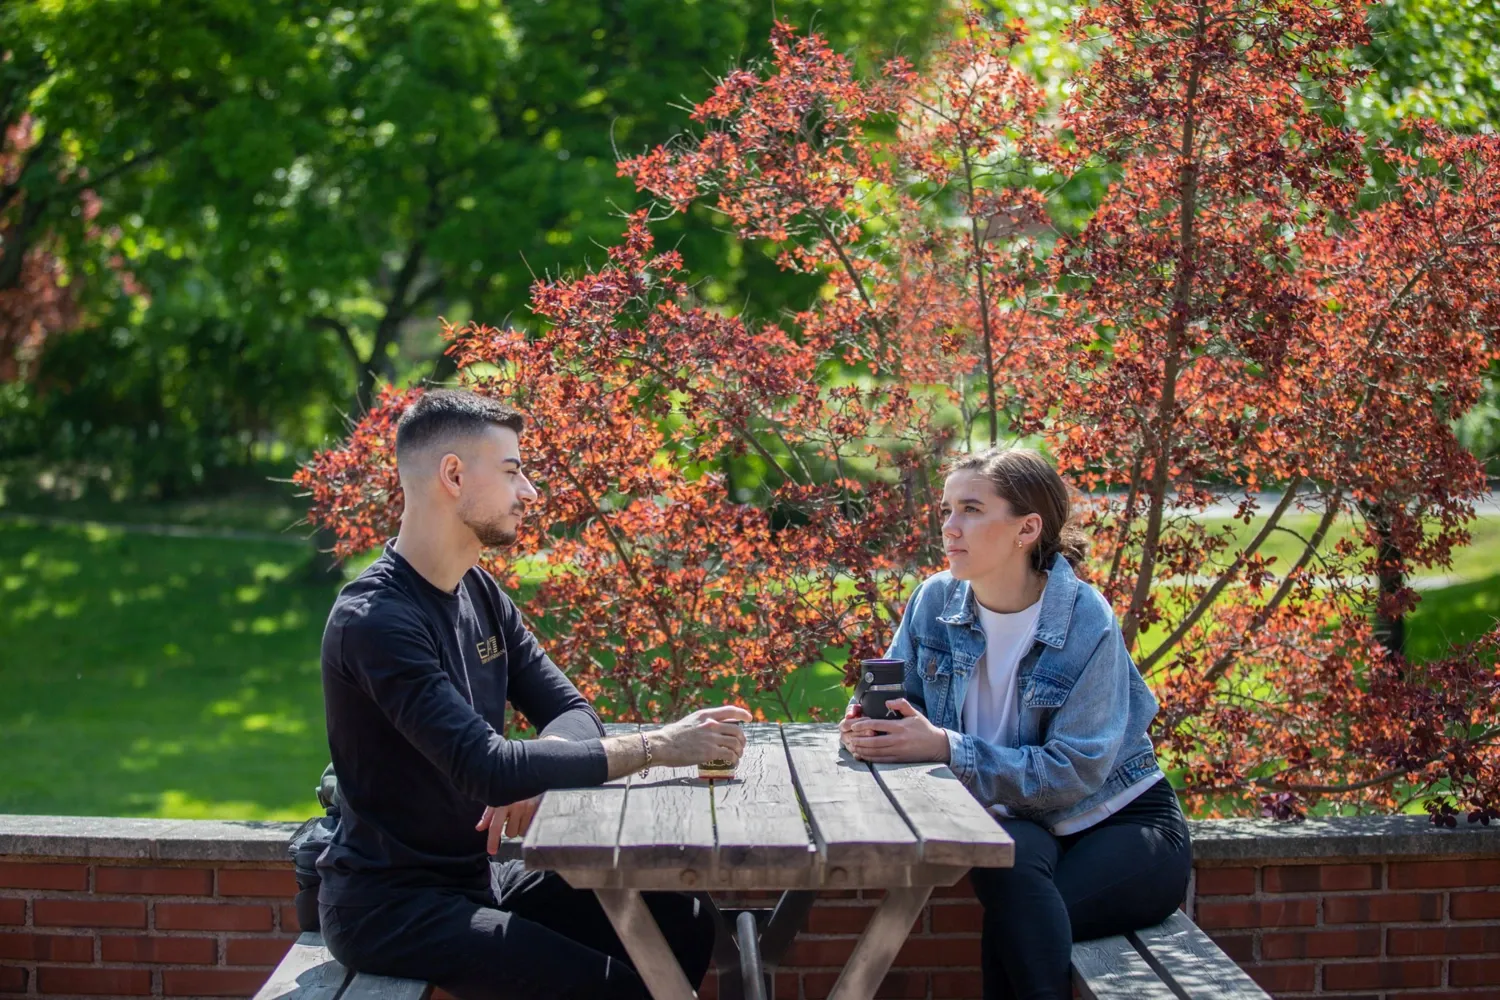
[[512, 820], [909, 739], [706, 735], [515, 818]]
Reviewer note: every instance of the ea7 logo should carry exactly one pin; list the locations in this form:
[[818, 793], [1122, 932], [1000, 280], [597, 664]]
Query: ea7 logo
[[488, 649]]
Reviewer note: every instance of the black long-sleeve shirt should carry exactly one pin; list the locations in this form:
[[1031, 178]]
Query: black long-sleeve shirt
[[415, 681]]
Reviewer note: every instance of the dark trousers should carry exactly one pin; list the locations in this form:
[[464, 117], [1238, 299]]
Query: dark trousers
[[531, 936], [1128, 872]]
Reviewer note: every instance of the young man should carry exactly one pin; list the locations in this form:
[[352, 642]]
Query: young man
[[420, 655]]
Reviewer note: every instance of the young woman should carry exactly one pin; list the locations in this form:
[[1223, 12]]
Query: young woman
[[1018, 679]]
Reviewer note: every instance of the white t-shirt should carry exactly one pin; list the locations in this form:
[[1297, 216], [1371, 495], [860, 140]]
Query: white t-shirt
[[991, 710]]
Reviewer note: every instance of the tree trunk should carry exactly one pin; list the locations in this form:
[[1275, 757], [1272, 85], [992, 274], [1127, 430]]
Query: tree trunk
[[1390, 630]]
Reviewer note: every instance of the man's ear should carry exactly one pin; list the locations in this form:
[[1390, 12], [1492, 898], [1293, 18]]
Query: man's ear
[[450, 474]]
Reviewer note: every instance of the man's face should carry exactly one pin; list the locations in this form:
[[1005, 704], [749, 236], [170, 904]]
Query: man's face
[[495, 490]]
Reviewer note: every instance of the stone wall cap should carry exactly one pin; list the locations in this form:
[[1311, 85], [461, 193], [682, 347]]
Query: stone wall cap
[[1339, 837], [1214, 840], [144, 839]]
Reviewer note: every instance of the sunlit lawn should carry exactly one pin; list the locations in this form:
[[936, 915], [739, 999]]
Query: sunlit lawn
[[145, 676], [149, 676]]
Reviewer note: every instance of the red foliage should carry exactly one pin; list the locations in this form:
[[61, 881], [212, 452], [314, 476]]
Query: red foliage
[[37, 303], [1231, 318]]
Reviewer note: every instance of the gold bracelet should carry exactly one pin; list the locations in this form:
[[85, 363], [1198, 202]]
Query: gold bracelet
[[646, 746]]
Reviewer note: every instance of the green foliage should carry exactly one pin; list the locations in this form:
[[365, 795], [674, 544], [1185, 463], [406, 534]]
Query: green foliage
[[302, 187]]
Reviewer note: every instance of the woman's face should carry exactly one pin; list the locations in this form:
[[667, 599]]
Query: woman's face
[[981, 534]]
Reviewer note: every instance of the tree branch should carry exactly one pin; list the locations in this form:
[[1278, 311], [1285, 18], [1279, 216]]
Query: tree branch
[[1213, 592]]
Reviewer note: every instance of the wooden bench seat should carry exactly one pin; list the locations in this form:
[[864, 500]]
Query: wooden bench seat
[[309, 972], [1170, 961]]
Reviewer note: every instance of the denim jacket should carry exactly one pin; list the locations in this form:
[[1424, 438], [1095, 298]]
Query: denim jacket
[[1083, 710]]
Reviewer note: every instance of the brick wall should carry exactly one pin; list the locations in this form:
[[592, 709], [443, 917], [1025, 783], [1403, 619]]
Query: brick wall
[[1386, 909], [1409, 928], [75, 927]]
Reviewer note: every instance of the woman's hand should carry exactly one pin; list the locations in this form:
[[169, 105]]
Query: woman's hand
[[909, 739]]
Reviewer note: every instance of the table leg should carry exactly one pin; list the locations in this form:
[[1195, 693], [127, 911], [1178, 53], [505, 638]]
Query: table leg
[[877, 948], [648, 951]]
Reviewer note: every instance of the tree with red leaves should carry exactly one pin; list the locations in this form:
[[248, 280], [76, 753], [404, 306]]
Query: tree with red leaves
[[34, 300], [1232, 316]]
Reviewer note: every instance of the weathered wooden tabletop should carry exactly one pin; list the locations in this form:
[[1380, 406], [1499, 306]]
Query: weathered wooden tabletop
[[799, 814]]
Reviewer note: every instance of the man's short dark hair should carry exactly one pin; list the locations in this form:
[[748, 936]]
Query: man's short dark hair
[[441, 415]]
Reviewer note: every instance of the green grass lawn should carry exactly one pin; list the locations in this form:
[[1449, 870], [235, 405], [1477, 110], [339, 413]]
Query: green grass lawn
[[154, 676], [147, 676]]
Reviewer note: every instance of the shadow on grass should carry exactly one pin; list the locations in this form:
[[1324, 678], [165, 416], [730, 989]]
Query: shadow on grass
[[1452, 616], [147, 676]]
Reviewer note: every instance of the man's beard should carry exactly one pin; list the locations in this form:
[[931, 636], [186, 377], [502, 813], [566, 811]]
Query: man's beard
[[491, 534]]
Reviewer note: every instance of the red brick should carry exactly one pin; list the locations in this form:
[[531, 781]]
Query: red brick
[[155, 881], [277, 884], [962, 889], [1381, 975], [1240, 947], [1382, 908], [1225, 882], [12, 911], [940, 953], [957, 986], [212, 982], [1444, 940], [48, 947], [816, 953], [1285, 978], [289, 918], [903, 984], [957, 918], [786, 984], [838, 919], [1467, 905], [1474, 972], [1258, 913], [158, 949], [26, 875], [95, 982], [1320, 944], [87, 913], [212, 917], [12, 979], [1445, 874], [1320, 878], [438, 993], [256, 951]]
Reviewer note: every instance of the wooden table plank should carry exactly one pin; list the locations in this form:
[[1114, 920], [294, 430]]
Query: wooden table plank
[[1184, 955], [950, 824], [1111, 969], [757, 818], [853, 819], [578, 827], [668, 823], [308, 972]]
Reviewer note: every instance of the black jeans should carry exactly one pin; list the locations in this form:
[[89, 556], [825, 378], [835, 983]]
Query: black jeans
[[1128, 872], [530, 937]]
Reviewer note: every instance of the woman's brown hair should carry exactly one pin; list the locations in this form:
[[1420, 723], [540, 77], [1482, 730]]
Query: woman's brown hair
[[1025, 480]]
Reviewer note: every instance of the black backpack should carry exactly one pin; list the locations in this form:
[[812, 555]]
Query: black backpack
[[308, 843]]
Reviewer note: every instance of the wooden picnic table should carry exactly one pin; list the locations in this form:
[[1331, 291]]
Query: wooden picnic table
[[800, 815]]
